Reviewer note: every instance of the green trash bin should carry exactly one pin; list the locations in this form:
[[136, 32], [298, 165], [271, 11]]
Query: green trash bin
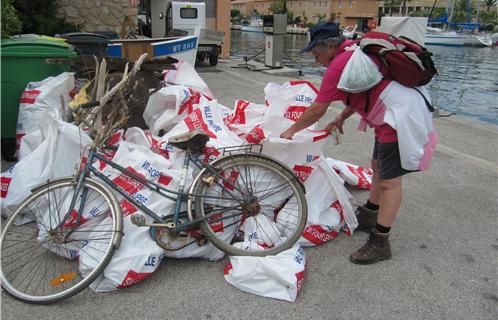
[[23, 61]]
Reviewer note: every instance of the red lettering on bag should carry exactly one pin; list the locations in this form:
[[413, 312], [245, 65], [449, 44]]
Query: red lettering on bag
[[363, 182], [318, 235], [156, 146], [302, 172], [72, 222], [227, 269], [29, 96], [309, 84], [164, 179], [114, 139], [210, 153], [188, 103], [321, 134], [127, 208], [132, 278], [216, 226], [294, 112], [108, 156], [128, 183], [255, 136], [194, 121], [239, 116], [336, 205], [300, 279], [229, 182], [5, 182]]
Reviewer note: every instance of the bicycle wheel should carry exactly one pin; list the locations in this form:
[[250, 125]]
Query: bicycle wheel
[[254, 205], [50, 253]]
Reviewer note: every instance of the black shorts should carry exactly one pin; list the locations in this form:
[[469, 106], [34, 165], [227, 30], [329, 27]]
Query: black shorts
[[388, 160]]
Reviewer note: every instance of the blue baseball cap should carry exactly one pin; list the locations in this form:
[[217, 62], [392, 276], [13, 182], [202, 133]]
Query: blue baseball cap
[[321, 31]]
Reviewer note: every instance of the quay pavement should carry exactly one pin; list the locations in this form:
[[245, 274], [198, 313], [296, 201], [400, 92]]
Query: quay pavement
[[445, 243]]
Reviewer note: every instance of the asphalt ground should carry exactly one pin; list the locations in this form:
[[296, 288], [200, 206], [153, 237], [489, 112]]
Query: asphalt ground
[[444, 243]]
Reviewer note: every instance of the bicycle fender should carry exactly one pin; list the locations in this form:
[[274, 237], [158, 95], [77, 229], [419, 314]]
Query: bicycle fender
[[39, 186]]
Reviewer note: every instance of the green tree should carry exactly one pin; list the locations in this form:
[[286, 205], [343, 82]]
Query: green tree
[[437, 13], [403, 7], [235, 15], [321, 17], [11, 24], [290, 17], [279, 6], [39, 16], [486, 18], [489, 4], [464, 11], [392, 4]]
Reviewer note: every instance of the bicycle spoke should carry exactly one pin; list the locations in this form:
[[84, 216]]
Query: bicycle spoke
[[36, 261]]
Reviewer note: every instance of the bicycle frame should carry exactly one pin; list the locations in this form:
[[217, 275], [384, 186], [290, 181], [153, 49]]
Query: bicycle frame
[[178, 196]]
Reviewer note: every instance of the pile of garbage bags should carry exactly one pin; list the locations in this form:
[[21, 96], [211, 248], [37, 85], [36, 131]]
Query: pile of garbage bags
[[50, 147]]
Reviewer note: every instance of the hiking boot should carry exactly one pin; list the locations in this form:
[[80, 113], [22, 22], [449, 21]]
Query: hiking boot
[[376, 249], [367, 219]]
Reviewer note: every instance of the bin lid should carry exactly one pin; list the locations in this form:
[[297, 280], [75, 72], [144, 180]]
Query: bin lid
[[35, 47], [82, 38]]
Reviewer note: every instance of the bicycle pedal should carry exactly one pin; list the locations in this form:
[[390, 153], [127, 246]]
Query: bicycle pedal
[[208, 180], [138, 220]]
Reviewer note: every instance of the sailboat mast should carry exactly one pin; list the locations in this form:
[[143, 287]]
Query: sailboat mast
[[452, 10]]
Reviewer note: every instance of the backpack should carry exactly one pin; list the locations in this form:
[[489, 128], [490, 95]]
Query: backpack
[[402, 59]]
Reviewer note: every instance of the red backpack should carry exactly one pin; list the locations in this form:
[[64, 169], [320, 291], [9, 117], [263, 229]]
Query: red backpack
[[402, 59]]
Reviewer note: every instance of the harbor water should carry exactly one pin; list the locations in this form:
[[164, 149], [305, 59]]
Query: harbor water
[[467, 81]]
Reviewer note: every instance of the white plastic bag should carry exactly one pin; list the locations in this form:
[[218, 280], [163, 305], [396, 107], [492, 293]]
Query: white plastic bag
[[136, 259], [185, 74], [166, 107], [357, 176], [359, 74], [60, 147], [144, 162], [51, 95], [279, 277], [289, 100], [330, 210]]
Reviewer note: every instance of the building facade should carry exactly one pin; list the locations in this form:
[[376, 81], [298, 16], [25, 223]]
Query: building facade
[[346, 12], [397, 10]]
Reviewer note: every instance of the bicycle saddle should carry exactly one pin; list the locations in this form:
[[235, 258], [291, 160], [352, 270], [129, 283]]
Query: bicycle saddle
[[194, 140]]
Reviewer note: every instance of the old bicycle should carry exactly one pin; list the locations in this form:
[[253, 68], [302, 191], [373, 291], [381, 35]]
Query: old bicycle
[[64, 234]]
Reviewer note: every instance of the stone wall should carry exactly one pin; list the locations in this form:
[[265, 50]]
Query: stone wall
[[97, 15]]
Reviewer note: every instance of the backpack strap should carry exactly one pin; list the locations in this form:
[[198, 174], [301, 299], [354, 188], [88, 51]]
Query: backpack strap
[[365, 42], [367, 100], [427, 103]]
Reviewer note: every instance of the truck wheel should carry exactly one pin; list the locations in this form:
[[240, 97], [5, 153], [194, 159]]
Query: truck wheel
[[201, 56], [213, 59]]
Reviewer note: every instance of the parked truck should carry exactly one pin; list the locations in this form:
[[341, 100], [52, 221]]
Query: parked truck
[[173, 18]]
